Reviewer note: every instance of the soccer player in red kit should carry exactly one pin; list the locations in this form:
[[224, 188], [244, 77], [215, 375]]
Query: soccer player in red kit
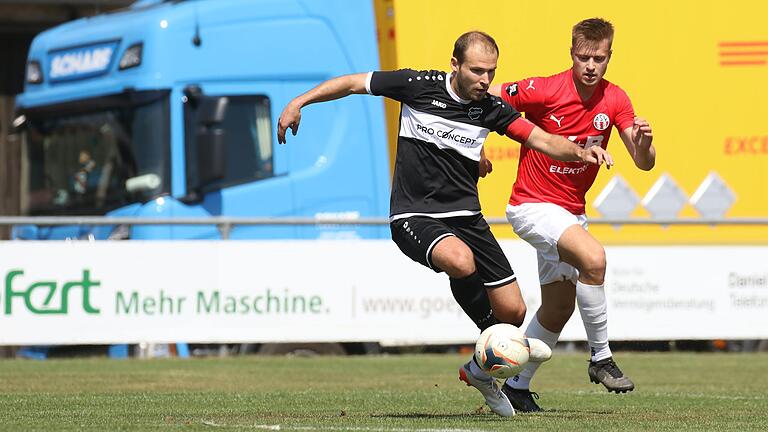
[[546, 207]]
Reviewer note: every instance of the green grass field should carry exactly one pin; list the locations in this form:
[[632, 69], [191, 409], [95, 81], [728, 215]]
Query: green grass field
[[675, 391]]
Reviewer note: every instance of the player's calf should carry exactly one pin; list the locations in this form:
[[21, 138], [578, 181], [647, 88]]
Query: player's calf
[[471, 296]]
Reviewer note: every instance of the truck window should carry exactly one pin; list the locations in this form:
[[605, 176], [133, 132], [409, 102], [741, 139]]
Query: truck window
[[247, 127], [85, 158]]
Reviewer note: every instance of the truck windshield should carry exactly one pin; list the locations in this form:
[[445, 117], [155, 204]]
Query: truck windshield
[[92, 157]]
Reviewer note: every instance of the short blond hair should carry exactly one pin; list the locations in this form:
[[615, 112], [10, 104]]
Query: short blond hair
[[592, 30]]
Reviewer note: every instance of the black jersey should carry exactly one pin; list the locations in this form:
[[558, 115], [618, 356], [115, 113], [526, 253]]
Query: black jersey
[[439, 143]]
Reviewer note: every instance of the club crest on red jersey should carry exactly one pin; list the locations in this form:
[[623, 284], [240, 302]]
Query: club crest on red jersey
[[601, 122], [512, 89]]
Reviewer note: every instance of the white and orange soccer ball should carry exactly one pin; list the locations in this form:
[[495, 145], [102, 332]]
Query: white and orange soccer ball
[[503, 350]]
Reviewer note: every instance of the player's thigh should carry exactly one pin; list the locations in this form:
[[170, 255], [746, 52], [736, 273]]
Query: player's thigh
[[418, 236], [493, 268], [541, 225], [580, 249], [453, 256], [491, 262]]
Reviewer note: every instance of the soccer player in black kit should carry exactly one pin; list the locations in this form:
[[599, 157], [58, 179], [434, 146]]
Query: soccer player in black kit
[[435, 215]]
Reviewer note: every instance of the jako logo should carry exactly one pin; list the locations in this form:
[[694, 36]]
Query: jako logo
[[49, 291], [439, 104]]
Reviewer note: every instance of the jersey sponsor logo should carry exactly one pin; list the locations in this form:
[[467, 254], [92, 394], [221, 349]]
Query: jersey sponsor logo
[[474, 113], [437, 103], [556, 120], [601, 122], [567, 170], [588, 141], [449, 135], [530, 86], [465, 138], [512, 89]]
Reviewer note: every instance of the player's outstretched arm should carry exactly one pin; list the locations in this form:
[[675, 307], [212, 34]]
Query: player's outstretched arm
[[334, 88], [559, 148], [638, 139]]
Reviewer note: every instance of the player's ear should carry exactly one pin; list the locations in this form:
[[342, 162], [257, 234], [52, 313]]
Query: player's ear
[[454, 64]]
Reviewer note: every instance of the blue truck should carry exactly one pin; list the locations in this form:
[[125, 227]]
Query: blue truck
[[168, 109]]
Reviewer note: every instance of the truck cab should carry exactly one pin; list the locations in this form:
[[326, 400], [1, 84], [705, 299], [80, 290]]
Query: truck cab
[[168, 109]]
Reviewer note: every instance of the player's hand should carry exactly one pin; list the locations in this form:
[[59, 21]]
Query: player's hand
[[642, 134], [597, 155], [486, 166], [290, 118]]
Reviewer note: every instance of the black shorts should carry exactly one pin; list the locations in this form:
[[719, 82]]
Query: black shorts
[[416, 236]]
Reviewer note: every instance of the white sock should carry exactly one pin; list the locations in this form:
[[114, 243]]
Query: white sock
[[534, 330], [477, 372], [594, 313]]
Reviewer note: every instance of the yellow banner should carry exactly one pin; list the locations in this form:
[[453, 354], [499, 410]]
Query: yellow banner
[[697, 70]]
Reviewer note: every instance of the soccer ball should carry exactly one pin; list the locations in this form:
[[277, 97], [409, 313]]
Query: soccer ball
[[502, 350]]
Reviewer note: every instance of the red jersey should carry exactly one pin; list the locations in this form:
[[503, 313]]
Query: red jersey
[[553, 104]]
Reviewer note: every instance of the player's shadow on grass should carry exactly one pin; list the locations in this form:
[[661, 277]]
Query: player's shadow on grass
[[420, 416], [564, 413], [570, 412]]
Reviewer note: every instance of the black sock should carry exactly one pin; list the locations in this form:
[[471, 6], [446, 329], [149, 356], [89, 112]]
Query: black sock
[[470, 293]]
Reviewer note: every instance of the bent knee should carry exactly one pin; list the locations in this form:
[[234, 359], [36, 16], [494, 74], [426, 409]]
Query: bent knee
[[458, 262], [593, 268]]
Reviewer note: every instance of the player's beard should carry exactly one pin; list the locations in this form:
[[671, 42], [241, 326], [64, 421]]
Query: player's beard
[[465, 88]]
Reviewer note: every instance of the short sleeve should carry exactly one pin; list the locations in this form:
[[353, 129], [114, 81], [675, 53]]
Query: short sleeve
[[625, 114], [400, 85], [524, 94], [501, 116]]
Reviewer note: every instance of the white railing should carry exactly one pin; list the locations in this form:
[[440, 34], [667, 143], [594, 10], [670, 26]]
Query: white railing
[[226, 223]]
